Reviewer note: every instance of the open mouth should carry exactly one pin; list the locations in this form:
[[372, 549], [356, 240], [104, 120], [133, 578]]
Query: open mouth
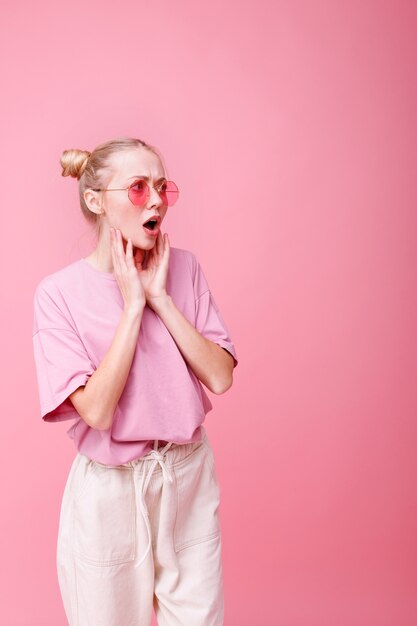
[[150, 224]]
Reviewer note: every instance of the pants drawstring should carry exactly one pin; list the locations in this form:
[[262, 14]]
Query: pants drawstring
[[158, 457]]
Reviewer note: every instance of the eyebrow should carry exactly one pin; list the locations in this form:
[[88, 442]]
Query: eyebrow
[[145, 177]]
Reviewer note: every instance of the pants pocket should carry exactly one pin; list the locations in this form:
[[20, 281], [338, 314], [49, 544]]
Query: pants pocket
[[104, 516], [83, 467], [198, 500]]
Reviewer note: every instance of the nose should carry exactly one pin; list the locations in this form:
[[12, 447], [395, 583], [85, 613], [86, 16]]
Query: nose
[[154, 197]]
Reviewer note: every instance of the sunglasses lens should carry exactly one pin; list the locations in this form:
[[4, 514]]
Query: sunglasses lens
[[169, 193], [138, 193]]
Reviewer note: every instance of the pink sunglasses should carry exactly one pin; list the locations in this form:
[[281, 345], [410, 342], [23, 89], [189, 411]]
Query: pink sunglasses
[[138, 192]]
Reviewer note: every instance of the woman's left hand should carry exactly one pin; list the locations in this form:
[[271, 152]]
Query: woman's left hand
[[154, 276]]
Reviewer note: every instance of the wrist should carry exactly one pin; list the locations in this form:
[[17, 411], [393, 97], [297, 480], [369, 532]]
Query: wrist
[[134, 310], [159, 303]]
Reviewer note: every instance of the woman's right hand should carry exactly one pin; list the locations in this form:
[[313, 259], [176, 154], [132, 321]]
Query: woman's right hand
[[126, 269]]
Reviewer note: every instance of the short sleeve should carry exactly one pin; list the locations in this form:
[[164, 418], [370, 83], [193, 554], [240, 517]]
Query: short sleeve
[[61, 360], [209, 320]]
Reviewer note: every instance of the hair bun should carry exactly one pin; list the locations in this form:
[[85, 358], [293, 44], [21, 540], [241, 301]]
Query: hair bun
[[74, 162]]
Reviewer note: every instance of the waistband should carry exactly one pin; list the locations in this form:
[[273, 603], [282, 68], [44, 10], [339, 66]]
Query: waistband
[[167, 451], [172, 452], [161, 458]]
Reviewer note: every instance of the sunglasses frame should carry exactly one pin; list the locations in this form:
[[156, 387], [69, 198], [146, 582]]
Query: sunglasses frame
[[147, 184]]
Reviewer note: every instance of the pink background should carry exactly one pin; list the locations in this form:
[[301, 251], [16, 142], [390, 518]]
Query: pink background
[[290, 129]]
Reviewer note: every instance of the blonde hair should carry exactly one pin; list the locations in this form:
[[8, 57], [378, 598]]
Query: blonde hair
[[94, 169]]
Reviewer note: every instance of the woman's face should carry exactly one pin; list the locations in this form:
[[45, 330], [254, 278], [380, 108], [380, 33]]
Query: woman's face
[[119, 210]]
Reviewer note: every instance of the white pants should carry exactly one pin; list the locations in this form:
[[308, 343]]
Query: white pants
[[140, 535]]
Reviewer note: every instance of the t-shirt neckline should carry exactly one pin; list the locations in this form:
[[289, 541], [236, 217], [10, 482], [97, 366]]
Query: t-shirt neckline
[[105, 275]]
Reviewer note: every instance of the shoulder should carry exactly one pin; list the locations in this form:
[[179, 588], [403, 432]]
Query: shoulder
[[182, 257], [187, 262], [51, 287]]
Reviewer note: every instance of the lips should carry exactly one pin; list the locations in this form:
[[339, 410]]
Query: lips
[[151, 226], [152, 223]]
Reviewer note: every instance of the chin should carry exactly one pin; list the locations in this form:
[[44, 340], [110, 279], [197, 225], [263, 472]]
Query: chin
[[145, 245], [149, 244]]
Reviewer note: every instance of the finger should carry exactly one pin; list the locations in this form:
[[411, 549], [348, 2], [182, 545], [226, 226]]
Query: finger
[[116, 243], [120, 250], [163, 258], [155, 247], [166, 247], [116, 266], [129, 253], [164, 244], [160, 245]]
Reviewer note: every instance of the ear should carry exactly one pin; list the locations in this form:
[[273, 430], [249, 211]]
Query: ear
[[93, 201]]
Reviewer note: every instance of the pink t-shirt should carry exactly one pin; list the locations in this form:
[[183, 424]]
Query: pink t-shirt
[[76, 312]]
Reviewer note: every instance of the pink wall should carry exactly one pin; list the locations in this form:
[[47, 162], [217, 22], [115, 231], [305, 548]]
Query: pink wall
[[290, 128]]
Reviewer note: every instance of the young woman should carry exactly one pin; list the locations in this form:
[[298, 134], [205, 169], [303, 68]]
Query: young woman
[[123, 339]]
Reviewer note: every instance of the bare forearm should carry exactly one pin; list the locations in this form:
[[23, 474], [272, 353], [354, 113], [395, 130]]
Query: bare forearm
[[104, 388], [212, 365]]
